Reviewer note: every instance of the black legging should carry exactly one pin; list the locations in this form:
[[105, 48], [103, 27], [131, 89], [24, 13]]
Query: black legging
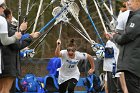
[[70, 84]]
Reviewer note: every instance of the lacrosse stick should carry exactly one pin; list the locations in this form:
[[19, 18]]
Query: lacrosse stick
[[99, 13], [19, 14], [62, 10], [60, 30], [32, 5], [95, 46], [73, 6], [80, 32], [46, 32], [65, 19], [109, 10], [84, 5], [42, 37], [74, 10], [27, 53], [41, 13], [65, 2], [61, 18], [47, 7], [107, 21], [14, 21], [27, 11], [110, 4], [113, 23], [39, 9]]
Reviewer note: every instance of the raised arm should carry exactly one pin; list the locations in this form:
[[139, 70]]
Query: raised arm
[[57, 50]]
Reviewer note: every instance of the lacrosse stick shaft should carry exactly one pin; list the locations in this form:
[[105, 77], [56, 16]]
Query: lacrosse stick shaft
[[39, 9], [29, 8], [110, 4], [53, 19], [40, 41], [27, 11], [96, 31], [80, 24], [74, 10], [109, 10], [78, 31], [32, 5], [19, 15], [99, 13], [41, 35], [41, 13], [60, 30], [84, 5], [47, 7], [111, 13]]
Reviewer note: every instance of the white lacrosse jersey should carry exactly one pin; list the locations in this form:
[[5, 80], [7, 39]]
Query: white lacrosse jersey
[[3, 25], [3, 29], [122, 19], [69, 68], [108, 62]]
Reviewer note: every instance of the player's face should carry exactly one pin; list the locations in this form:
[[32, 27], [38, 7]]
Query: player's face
[[71, 51]]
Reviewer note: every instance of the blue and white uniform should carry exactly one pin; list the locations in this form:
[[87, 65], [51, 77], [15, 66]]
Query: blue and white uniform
[[69, 68]]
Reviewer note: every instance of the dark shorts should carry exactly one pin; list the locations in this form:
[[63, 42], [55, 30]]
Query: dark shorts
[[10, 68], [69, 84]]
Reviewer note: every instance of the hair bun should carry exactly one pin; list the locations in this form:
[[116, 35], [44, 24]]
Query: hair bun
[[72, 41]]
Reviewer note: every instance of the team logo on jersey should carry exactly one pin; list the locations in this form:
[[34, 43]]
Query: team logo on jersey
[[84, 54], [132, 25]]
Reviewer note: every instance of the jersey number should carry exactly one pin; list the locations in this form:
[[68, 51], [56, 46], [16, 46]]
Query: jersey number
[[71, 66]]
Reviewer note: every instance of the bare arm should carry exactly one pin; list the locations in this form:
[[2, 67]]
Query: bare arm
[[57, 50], [91, 61]]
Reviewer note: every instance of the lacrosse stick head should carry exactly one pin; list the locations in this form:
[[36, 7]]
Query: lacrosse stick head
[[83, 3], [52, 1], [100, 54], [99, 50], [31, 53], [113, 24], [14, 22], [62, 16], [96, 47], [74, 9], [65, 2]]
